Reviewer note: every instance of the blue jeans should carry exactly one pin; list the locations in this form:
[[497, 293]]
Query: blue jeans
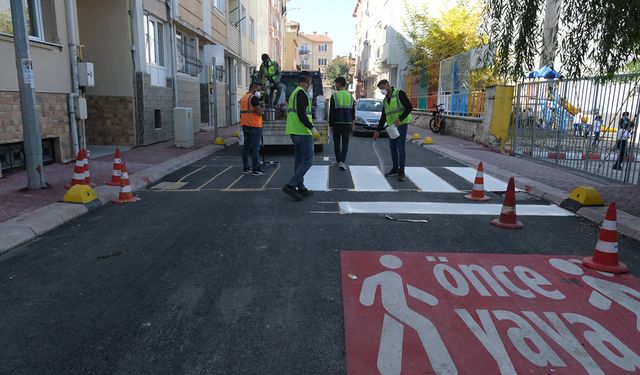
[[252, 138], [398, 153], [303, 150]]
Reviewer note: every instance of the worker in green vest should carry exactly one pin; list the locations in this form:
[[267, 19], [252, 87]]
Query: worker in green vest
[[270, 74], [302, 132], [396, 113], [341, 115]]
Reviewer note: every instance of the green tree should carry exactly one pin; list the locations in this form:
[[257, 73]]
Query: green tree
[[435, 39], [339, 67], [596, 37]]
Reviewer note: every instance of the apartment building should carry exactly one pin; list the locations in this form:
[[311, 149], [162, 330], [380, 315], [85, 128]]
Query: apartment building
[[271, 30], [291, 46], [48, 45], [380, 36], [148, 58], [315, 51]]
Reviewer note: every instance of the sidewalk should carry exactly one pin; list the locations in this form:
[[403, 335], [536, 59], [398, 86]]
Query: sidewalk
[[544, 179], [19, 208]]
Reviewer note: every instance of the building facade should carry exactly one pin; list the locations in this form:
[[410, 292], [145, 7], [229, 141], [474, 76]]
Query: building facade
[[148, 58], [49, 50], [271, 25], [315, 51], [291, 46]]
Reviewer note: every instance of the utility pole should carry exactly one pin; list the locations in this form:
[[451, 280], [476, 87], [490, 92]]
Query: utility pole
[[26, 83]]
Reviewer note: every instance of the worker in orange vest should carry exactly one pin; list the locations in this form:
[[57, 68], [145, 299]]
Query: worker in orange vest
[[251, 122]]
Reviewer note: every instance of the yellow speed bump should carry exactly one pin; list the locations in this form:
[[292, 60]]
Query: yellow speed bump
[[219, 141], [586, 196], [416, 136], [80, 194], [427, 141]]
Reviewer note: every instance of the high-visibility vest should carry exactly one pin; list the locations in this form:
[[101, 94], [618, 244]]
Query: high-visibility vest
[[343, 106], [270, 69], [248, 114], [294, 125], [394, 108]]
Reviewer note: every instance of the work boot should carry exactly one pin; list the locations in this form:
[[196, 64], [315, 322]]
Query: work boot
[[292, 192], [305, 192], [392, 172], [246, 170]]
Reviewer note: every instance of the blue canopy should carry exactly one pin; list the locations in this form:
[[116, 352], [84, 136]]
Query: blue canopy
[[544, 72]]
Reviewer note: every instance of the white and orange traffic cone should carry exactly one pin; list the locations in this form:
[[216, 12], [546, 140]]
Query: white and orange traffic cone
[[508, 218], [116, 175], [87, 174], [126, 194], [605, 257], [477, 194], [78, 171]]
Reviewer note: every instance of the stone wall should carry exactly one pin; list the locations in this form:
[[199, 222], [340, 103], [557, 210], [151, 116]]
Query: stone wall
[[53, 120], [155, 98], [189, 96], [462, 127], [110, 120]]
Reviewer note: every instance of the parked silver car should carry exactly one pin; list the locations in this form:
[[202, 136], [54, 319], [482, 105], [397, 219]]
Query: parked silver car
[[368, 112]]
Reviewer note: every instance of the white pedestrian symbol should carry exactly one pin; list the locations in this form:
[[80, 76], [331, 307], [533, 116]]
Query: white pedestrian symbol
[[604, 291], [399, 314]]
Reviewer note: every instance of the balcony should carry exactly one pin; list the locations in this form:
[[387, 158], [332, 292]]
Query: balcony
[[304, 51], [305, 66]]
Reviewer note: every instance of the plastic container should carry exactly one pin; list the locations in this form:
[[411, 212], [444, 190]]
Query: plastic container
[[392, 131], [321, 108]]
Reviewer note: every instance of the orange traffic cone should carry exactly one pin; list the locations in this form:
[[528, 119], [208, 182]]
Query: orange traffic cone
[[117, 169], [78, 171], [87, 174], [508, 219], [477, 194], [126, 195], [605, 257]]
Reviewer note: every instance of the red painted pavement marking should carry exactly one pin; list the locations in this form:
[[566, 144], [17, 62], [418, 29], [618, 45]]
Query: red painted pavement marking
[[519, 314]]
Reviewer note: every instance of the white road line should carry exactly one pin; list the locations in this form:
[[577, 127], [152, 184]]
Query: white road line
[[490, 183], [428, 181], [368, 178], [189, 174], [436, 208], [317, 178]]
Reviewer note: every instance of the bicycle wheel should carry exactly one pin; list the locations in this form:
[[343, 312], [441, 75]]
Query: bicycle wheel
[[432, 125], [443, 123]]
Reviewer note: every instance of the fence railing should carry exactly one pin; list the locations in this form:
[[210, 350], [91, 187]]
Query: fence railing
[[575, 124], [470, 104]]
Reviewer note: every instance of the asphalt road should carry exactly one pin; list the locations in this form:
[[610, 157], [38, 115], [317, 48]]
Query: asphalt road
[[228, 275]]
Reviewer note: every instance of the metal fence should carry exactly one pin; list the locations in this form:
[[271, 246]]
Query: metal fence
[[574, 123]]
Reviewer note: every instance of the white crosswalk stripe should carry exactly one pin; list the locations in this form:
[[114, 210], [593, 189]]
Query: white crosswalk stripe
[[368, 178], [427, 181], [317, 178], [438, 208], [490, 183]]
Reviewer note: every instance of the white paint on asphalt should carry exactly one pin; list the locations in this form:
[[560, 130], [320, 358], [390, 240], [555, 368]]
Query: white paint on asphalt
[[490, 183], [437, 208], [317, 178], [368, 178], [428, 181]]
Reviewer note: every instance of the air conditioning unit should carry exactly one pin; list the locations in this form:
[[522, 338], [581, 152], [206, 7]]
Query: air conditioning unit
[[183, 127]]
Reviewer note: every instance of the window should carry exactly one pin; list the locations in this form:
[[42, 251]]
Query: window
[[252, 29], [323, 48], [219, 5], [154, 40], [243, 19], [322, 62], [234, 12], [187, 54], [33, 14]]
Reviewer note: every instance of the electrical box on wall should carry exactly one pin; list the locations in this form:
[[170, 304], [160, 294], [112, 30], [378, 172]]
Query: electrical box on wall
[[81, 108], [85, 75]]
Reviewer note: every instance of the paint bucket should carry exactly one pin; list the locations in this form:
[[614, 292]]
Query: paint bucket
[[393, 132]]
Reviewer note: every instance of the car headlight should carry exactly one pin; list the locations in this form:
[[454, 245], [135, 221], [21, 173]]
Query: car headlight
[[360, 120]]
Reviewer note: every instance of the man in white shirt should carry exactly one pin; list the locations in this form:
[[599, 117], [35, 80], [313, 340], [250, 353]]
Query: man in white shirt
[[621, 141], [577, 123]]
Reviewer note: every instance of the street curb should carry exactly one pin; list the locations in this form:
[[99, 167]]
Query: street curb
[[628, 225], [23, 228]]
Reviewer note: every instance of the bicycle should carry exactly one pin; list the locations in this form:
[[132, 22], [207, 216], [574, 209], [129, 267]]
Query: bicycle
[[438, 122]]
